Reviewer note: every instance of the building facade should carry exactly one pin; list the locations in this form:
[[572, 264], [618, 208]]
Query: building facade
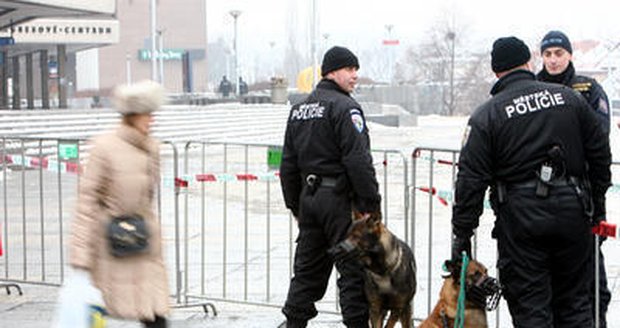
[[182, 27]]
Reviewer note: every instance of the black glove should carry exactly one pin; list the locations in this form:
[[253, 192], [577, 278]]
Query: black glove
[[460, 244]]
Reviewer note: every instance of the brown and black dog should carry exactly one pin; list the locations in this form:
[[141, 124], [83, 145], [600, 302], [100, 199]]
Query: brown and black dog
[[479, 286], [390, 280]]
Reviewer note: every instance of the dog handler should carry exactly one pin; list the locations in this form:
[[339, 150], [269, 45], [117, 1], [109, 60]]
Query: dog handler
[[543, 152], [326, 171]]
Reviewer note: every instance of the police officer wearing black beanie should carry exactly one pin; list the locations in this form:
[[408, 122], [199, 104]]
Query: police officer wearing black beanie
[[556, 52], [532, 143], [326, 172]]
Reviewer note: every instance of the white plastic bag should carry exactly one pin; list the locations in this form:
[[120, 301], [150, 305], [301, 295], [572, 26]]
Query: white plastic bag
[[77, 297]]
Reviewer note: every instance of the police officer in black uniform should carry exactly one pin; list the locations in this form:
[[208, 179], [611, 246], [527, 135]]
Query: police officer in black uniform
[[544, 154], [557, 54], [326, 171], [556, 51]]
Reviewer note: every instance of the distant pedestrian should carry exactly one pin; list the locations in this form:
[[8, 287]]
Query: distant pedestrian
[[243, 87], [557, 54], [225, 87], [120, 179]]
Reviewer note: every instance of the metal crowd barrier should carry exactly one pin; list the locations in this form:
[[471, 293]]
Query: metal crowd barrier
[[238, 238], [229, 237], [39, 180]]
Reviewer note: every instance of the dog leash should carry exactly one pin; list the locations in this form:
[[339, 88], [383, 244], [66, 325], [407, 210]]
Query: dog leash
[[459, 320]]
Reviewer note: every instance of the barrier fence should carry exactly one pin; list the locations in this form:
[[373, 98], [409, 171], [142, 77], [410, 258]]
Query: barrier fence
[[229, 237]]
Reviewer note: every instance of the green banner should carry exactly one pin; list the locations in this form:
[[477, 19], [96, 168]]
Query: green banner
[[68, 151]]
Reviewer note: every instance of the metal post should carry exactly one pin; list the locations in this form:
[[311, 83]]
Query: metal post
[[160, 35], [314, 29], [451, 36], [235, 14], [597, 283], [389, 28], [128, 67], [430, 230], [154, 76]]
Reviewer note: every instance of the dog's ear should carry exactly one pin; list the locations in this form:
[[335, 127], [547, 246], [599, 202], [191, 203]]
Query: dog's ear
[[453, 267]]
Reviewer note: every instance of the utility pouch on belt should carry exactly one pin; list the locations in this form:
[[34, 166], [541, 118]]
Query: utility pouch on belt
[[544, 178]]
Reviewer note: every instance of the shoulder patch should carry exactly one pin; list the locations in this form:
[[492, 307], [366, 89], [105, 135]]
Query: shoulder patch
[[602, 106], [465, 135], [357, 119]]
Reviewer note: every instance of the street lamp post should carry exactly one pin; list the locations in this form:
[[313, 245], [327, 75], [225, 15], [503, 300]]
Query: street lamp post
[[451, 36], [160, 37], [153, 40], [128, 67], [273, 67], [389, 28], [235, 14], [315, 29]]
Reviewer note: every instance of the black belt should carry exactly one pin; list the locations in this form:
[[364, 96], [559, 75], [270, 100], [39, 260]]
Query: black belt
[[562, 182], [315, 181]]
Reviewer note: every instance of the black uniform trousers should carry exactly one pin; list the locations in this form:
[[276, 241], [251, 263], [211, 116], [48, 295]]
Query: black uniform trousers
[[545, 254], [325, 218]]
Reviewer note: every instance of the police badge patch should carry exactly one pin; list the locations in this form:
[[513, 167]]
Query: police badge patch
[[465, 135], [602, 106], [357, 119]]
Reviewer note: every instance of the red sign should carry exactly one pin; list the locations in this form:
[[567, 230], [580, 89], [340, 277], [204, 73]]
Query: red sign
[[391, 42]]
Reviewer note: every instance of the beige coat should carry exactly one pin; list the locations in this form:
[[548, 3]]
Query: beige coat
[[120, 178]]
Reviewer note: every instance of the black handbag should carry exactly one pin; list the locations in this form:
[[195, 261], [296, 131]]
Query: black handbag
[[127, 235]]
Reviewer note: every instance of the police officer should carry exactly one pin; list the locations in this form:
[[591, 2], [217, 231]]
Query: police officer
[[557, 55], [539, 147], [326, 171], [556, 52]]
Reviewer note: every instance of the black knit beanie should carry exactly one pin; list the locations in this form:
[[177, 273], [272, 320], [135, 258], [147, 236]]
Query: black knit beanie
[[508, 53], [556, 39], [337, 58]]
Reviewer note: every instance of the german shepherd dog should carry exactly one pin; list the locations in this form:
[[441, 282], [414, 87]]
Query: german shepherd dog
[[479, 287], [390, 280]]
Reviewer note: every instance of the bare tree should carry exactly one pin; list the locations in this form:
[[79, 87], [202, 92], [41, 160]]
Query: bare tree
[[442, 65]]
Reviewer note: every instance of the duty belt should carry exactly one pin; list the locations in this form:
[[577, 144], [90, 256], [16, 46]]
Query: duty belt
[[571, 181], [315, 181], [562, 182]]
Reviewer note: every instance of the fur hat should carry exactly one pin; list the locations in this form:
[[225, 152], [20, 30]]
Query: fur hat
[[555, 39], [337, 58], [508, 53], [139, 98]]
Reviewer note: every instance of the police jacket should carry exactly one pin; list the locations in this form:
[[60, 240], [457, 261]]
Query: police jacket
[[588, 87], [327, 135], [509, 138]]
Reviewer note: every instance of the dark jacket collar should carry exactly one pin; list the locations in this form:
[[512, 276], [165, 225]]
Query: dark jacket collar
[[563, 78], [511, 78], [328, 84]]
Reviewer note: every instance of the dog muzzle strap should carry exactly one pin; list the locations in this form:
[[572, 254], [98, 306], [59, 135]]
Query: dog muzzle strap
[[485, 293]]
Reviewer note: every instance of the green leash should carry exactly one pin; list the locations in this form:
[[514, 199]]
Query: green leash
[[459, 320]]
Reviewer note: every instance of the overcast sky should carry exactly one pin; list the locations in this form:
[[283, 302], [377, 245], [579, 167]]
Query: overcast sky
[[361, 24]]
